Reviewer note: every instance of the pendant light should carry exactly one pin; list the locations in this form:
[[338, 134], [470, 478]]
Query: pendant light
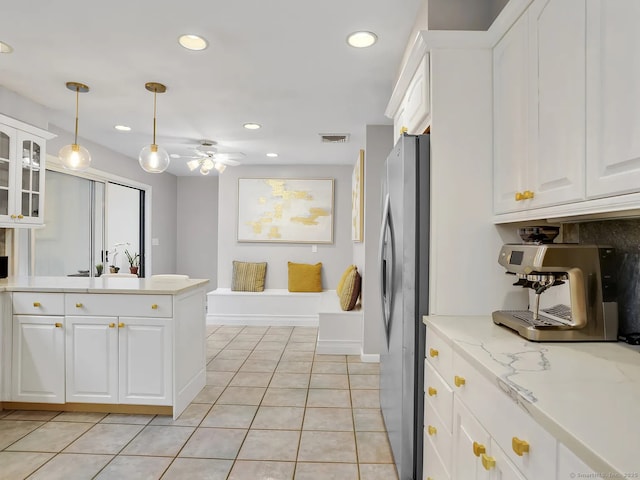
[[154, 159], [74, 156]]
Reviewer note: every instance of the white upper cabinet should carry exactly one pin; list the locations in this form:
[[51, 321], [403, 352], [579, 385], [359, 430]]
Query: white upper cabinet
[[613, 97], [511, 118], [413, 113], [539, 108], [22, 167]]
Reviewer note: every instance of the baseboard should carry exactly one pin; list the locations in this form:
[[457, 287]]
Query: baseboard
[[338, 347], [369, 357], [264, 320]]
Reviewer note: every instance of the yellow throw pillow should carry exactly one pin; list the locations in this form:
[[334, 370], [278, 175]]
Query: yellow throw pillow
[[350, 290], [248, 277], [343, 278], [304, 277]]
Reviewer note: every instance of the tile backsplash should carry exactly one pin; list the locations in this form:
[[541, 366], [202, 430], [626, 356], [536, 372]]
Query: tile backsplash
[[624, 236]]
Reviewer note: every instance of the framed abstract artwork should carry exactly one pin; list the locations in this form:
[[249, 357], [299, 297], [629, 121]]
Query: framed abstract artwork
[[357, 199], [288, 210]]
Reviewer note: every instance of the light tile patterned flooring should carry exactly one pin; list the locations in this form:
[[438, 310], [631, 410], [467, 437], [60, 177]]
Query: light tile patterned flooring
[[272, 409]]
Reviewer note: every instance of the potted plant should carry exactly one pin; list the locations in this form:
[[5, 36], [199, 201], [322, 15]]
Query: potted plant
[[134, 261], [99, 268]]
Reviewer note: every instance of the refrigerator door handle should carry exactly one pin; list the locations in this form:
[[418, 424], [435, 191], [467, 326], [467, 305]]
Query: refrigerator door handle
[[386, 267]]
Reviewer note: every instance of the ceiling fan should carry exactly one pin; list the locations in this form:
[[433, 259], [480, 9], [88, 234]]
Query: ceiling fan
[[206, 157]]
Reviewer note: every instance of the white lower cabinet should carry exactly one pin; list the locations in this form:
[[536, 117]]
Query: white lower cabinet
[[471, 444], [119, 360], [38, 359]]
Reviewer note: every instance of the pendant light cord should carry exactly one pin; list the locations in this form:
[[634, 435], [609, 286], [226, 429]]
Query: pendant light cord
[[75, 139], [154, 116]]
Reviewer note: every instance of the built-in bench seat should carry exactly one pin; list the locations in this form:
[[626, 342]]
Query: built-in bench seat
[[339, 332]]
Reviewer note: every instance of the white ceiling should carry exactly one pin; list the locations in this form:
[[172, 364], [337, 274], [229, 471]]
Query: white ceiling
[[282, 63]]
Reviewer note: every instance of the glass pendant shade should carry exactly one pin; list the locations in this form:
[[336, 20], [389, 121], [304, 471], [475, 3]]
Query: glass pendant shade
[[154, 159], [74, 157], [204, 171], [220, 167]]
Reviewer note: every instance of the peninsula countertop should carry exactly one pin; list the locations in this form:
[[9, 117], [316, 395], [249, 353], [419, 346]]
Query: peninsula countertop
[[587, 395], [127, 285]]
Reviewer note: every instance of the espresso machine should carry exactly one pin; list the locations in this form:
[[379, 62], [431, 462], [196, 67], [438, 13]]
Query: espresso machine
[[572, 292]]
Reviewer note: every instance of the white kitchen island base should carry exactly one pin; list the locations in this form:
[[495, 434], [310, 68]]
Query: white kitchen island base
[[105, 345]]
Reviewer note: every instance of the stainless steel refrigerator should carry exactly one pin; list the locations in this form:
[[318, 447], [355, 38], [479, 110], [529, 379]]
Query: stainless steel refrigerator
[[404, 270]]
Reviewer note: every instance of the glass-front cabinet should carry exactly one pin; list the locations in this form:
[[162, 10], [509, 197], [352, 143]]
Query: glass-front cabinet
[[22, 167]]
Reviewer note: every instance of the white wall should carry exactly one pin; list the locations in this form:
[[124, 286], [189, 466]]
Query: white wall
[[197, 223], [379, 142], [20, 108], [334, 257]]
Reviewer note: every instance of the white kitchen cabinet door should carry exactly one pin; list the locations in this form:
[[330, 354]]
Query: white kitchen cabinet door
[[92, 359], [416, 101], [470, 442], [38, 359], [500, 467], [22, 166], [557, 99], [145, 361], [613, 97], [511, 118]]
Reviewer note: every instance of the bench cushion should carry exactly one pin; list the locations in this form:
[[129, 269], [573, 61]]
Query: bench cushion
[[350, 290], [304, 277], [248, 277]]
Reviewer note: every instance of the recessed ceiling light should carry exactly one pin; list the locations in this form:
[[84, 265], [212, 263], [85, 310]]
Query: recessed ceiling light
[[252, 126], [192, 42], [5, 48], [122, 128], [272, 155], [362, 39]]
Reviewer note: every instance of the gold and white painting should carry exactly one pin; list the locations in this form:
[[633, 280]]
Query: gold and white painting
[[357, 199], [290, 210]]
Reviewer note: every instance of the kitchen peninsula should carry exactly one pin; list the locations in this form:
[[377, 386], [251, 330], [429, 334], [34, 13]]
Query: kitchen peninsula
[[107, 344]]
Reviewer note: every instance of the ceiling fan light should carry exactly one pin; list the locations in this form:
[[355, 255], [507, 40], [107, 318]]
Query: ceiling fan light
[[153, 159], [207, 164], [74, 157], [204, 171], [220, 167], [193, 164]]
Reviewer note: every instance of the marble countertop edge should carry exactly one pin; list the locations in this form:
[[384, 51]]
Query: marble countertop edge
[[128, 286]]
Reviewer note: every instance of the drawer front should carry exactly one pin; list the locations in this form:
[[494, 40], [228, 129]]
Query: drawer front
[[440, 354], [439, 395], [435, 429], [432, 467], [33, 303], [506, 421], [154, 306]]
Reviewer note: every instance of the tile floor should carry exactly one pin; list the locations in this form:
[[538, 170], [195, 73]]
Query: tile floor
[[272, 409]]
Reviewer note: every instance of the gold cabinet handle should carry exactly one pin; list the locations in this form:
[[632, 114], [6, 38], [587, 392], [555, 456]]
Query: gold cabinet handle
[[478, 449], [154, 306], [432, 391], [120, 325], [431, 430], [58, 325], [528, 194], [78, 305], [520, 447], [14, 216], [20, 216], [36, 304], [488, 462], [112, 325], [403, 129], [519, 196], [459, 381], [433, 352]]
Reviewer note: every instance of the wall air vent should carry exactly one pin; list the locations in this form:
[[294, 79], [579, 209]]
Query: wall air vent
[[334, 137]]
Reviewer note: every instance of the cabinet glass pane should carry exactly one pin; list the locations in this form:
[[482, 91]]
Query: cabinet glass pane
[[35, 155], [4, 145], [25, 204], [35, 205], [26, 177], [35, 180], [4, 201], [26, 152], [4, 173]]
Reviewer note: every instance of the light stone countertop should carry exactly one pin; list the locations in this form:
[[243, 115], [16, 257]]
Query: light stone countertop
[[128, 285], [587, 395]]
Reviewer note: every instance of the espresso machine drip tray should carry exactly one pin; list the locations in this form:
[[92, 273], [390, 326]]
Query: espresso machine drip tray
[[527, 317]]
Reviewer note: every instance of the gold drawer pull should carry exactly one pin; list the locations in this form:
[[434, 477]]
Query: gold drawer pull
[[432, 430], [528, 194], [154, 306], [112, 325], [519, 196], [459, 381], [433, 352], [478, 449], [121, 325], [432, 391], [20, 216], [78, 305], [58, 325], [488, 462], [520, 447], [14, 216], [36, 304]]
